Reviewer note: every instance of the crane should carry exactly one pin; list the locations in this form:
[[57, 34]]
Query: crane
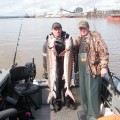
[[61, 9]]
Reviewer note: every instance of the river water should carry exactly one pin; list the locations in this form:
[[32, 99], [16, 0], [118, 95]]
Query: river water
[[33, 34]]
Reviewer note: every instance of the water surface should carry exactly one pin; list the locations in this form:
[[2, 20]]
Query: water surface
[[33, 34]]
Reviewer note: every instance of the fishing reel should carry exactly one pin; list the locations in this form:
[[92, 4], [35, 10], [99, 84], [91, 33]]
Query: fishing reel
[[32, 69]]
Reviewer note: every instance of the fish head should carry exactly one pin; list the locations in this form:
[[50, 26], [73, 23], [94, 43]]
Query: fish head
[[51, 40], [68, 43]]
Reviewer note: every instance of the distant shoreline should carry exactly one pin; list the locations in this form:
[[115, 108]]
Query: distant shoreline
[[48, 17], [7, 17]]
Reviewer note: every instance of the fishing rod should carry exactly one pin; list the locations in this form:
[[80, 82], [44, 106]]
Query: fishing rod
[[111, 81], [95, 27], [14, 64], [109, 73]]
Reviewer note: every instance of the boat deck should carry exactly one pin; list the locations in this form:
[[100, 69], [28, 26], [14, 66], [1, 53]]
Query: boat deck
[[46, 111]]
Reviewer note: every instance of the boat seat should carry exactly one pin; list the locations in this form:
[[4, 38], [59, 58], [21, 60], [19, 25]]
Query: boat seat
[[8, 113], [22, 87]]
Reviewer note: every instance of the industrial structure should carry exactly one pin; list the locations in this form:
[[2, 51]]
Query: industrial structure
[[66, 13]]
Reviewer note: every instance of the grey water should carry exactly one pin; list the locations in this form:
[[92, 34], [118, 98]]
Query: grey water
[[33, 35]]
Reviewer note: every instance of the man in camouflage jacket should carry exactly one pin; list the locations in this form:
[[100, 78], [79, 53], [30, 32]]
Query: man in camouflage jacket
[[91, 60]]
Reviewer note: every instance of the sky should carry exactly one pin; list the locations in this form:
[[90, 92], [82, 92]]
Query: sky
[[40, 7]]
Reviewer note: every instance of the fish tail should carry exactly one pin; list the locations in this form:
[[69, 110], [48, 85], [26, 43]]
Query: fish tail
[[69, 93], [50, 96]]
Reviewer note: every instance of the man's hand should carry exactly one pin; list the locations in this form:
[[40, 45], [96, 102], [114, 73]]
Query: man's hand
[[103, 72]]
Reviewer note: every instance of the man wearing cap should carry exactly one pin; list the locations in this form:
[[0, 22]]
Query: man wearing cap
[[91, 60], [59, 37]]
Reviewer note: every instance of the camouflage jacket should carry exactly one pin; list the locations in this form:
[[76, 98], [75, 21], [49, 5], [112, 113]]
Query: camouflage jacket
[[97, 56]]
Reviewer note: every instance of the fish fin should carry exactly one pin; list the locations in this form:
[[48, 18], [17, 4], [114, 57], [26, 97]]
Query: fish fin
[[69, 93], [65, 86], [54, 87], [51, 95], [63, 77], [72, 83], [62, 53]]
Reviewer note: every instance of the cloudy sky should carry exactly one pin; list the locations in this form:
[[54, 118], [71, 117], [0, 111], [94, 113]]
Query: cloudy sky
[[39, 7]]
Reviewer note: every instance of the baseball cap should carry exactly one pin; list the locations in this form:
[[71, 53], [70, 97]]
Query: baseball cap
[[83, 24], [55, 25]]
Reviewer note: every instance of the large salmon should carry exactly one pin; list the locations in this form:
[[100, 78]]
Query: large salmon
[[51, 65], [68, 66]]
